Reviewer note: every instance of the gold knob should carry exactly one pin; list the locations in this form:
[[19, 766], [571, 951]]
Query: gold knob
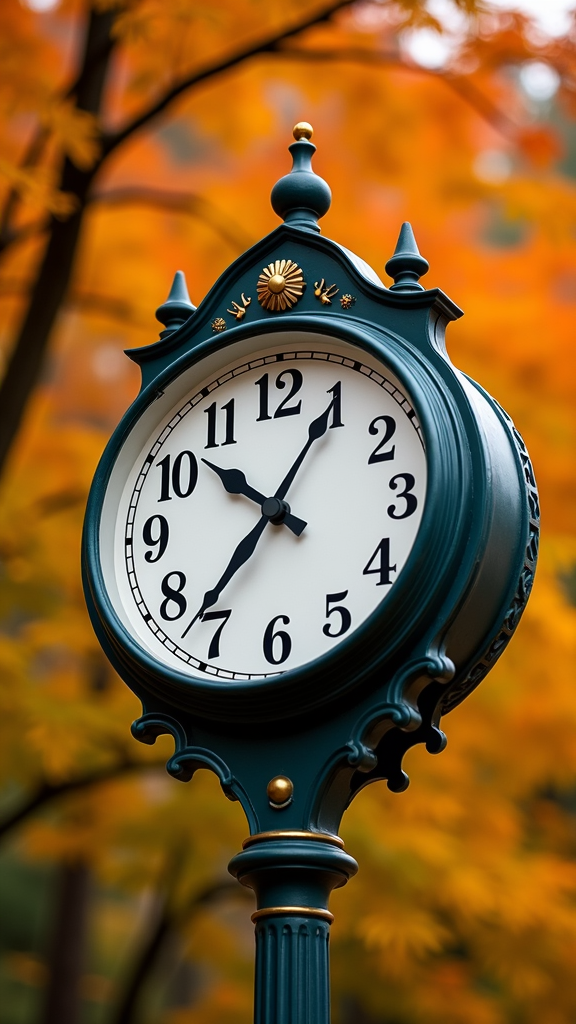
[[277, 283], [280, 790], [302, 130]]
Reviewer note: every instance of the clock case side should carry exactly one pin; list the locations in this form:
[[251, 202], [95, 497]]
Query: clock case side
[[362, 734], [419, 317]]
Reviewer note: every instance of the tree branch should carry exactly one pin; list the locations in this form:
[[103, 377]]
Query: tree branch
[[110, 306], [30, 158], [179, 202], [49, 791], [459, 83], [23, 234], [267, 45], [126, 1010], [56, 265]]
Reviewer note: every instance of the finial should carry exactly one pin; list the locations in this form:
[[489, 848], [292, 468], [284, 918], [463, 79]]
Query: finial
[[177, 308], [407, 265], [302, 130], [301, 197]]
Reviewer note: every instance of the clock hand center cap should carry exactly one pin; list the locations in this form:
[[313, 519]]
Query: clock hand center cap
[[275, 510]]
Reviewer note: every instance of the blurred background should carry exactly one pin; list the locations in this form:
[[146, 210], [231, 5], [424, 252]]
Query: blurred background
[[139, 137]]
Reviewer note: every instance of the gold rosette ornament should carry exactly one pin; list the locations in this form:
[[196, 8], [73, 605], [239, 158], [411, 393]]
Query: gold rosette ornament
[[280, 285]]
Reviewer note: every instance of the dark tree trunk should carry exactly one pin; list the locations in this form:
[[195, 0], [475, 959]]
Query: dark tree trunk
[[163, 927], [56, 267], [66, 956], [126, 1010], [55, 270]]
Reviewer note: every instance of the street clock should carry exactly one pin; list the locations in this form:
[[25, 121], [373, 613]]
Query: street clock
[[310, 536]]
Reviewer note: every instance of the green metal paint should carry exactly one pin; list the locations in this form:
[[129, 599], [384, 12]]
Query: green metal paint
[[346, 719]]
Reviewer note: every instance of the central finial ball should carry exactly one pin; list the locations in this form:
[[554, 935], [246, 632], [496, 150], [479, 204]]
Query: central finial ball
[[302, 130], [277, 283]]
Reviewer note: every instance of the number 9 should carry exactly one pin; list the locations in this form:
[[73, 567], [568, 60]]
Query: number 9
[[161, 540]]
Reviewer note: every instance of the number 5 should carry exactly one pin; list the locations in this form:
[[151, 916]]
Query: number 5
[[345, 617]]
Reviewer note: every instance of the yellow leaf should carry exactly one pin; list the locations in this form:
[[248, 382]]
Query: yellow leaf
[[76, 131]]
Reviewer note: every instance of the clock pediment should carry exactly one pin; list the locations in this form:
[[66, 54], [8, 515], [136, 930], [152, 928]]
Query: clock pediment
[[296, 271]]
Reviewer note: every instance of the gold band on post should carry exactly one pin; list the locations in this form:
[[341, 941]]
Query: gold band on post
[[300, 911], [323, 837]]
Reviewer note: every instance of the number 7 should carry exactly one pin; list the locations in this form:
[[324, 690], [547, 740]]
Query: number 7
[[214, 649]]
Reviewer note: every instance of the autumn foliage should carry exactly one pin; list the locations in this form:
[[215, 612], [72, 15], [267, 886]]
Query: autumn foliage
[[152, 149]]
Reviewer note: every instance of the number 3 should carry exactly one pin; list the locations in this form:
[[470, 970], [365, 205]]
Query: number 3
[[409, 498]]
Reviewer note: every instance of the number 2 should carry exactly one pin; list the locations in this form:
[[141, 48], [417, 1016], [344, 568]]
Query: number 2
[[389, 431]]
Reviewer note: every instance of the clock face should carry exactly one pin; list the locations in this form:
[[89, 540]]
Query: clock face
[[263, 507]]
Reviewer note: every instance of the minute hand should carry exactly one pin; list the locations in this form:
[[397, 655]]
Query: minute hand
[[316, 430], [242, 553]]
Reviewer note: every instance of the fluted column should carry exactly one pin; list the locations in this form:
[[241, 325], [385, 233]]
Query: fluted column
[[292, 874]]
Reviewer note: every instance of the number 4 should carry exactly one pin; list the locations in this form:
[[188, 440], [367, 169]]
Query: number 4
[[381, 560]]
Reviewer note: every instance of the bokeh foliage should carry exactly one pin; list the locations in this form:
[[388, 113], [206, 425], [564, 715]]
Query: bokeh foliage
[[464, 910]]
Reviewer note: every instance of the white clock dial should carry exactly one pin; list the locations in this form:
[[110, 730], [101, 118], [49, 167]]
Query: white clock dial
[[207, 574]]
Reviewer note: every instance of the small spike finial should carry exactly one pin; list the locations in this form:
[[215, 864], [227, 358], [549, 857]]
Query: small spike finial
[[177, 308], [302, 196], [406, 266]]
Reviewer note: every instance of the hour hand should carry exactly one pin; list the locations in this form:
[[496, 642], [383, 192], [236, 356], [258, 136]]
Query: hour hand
[[235, 483]]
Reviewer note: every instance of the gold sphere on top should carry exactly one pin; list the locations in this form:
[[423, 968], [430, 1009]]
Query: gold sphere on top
[[302, 130], [280, 790]]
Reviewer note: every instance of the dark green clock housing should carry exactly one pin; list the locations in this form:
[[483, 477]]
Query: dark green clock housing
[[297, 371]]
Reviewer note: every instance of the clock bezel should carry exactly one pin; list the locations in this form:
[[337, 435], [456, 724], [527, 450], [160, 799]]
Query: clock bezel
[[404, 623]]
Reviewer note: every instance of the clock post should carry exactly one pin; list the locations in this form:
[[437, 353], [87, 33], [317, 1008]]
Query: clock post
[[309, 538]]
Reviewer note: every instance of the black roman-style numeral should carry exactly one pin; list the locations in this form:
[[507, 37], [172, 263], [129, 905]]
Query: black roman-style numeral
[[379, 564], [212, 414], [173, 596], [183, 475], [277, 644], [389, 430], [284, 409], [161, 541], [334, 628], [214, 649], [410, 499], [336, 406]]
